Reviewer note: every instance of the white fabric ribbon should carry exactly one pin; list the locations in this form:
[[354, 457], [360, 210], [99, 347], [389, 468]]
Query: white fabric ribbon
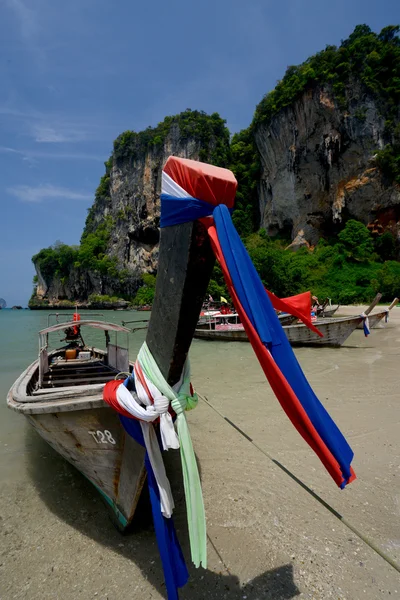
[[170, 187], [146, 415], [169, 437], [366, 320]]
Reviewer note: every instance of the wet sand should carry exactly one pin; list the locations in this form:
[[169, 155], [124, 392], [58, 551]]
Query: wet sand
[[269, 539]]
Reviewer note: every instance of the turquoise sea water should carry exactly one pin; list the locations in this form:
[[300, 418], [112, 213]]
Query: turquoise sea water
[[19, 338], [18, 349]]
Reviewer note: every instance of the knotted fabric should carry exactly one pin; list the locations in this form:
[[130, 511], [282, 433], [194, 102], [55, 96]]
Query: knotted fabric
[[365, 324], [194, 185], [156, 394], [181, 401], [121, 398]]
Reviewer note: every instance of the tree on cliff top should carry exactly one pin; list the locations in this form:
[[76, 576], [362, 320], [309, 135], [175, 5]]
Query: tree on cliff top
[[209, 131], [372, 58]]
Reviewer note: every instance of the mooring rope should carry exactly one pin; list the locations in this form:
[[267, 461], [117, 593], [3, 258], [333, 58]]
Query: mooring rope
[[305, 487]]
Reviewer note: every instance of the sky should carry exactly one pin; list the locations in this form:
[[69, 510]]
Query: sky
[[74, 74]]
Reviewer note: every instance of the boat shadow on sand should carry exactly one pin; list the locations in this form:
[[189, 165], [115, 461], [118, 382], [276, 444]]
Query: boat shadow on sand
[[74, 500]]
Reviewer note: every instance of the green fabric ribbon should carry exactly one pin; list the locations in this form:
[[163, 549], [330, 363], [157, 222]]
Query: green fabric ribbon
[[181, 401]]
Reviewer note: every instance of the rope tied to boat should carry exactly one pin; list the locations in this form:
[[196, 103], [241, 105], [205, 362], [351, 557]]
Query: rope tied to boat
[[387, 312]]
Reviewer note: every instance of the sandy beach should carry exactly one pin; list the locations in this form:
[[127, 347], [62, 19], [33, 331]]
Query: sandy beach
[[268, 537]]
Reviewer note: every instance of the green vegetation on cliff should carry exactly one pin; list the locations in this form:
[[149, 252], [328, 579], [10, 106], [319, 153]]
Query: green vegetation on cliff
[[245, 164], [388, 159], [145, 294], [370, 58], [373, 59], [91, 255], [102, 201], [209, 131], [56, 260], [349, 269]]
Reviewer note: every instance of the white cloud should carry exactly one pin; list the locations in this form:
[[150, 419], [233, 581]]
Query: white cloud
[[61, 134], [55, 128], [41, 193], [30, 30], [32, 155], [7, 150], [26, 17]]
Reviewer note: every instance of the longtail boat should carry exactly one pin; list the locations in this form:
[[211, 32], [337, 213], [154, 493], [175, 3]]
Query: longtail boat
[[63, 398], [112, 437], [61, 395], [335, 331]]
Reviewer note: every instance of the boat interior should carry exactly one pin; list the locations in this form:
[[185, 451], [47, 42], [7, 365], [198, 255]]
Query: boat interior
[[77, 364], [64, 371]]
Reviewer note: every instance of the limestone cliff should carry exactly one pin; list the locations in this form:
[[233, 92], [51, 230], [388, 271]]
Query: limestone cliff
[[319, 168], [121, 235], [134, 191]]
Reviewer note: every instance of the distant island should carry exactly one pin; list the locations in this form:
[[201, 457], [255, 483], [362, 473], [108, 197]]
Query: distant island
[[3, 303]]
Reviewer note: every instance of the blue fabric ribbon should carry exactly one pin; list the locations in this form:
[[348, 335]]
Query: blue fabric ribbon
[[258, 307], [365, 327], [175, 571], [175, 211]]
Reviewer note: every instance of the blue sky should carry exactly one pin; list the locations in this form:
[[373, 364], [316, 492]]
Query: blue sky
[[74, 74]]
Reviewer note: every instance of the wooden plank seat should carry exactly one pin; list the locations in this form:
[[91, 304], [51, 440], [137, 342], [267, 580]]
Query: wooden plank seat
[[86, 380], [75, 363], [84, 390], [82, 368], [80, 374], [64, 376]]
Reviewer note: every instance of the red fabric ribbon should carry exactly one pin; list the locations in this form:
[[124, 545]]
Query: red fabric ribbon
[[285, 394]]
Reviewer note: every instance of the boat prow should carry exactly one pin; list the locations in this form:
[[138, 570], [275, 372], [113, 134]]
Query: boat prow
[[61, 393], [68, 412], [335, 333]]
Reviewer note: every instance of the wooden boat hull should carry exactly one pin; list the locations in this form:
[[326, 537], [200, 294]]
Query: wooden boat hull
[[69, 412], [89, 435], [230, 335], [335, 331]]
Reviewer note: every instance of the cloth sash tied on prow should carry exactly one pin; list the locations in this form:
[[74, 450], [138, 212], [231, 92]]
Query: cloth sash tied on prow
[[142, 400], [193, 190]]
